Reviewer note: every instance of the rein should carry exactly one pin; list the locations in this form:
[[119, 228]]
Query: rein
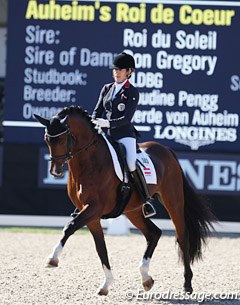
[[70, 139]]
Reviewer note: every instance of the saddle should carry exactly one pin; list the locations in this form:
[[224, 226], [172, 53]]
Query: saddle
[[124, 190]]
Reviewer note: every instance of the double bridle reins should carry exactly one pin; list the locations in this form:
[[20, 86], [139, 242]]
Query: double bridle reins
[[70, 141]]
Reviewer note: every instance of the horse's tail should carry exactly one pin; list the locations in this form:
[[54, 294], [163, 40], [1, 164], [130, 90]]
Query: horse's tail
[[198, 218]]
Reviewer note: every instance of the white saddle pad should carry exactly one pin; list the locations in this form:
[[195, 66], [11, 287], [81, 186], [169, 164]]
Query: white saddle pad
[[146, 164]]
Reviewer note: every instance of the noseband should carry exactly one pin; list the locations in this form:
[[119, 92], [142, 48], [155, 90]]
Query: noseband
[[70, 141]]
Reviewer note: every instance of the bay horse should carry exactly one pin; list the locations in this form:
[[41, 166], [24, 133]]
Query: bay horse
[[92, 187]]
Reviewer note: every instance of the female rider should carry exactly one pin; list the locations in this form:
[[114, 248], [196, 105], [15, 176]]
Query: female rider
[[114, 110]]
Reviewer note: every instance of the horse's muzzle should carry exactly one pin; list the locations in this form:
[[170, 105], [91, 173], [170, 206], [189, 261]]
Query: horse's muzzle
[[57, 170]]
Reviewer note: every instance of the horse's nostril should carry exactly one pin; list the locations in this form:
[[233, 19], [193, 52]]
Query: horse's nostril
[[57, 171], [60, 172]]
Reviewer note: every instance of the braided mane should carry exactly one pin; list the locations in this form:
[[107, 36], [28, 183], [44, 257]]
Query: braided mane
[[72, 110]]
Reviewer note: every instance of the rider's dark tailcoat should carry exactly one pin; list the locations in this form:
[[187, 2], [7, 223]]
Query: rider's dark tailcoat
[[119, 109]]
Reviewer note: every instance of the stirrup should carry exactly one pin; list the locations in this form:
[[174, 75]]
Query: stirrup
[[148, 209]]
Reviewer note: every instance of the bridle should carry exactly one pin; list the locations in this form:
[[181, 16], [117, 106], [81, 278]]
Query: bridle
[[70, 141]]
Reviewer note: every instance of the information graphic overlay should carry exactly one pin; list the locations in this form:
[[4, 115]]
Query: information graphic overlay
[[187, 66]]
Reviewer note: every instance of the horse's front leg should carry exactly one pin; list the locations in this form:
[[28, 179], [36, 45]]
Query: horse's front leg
[[85, 216], [97, 232]]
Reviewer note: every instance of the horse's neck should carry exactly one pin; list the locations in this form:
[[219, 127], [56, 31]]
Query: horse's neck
[[82, 132], [89, 160], [85, 147]]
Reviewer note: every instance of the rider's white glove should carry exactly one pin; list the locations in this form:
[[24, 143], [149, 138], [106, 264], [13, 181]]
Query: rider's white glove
[[102, 123]]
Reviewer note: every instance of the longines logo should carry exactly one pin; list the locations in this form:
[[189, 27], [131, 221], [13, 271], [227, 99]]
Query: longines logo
[[196, 136], [208, 173], [194, 145]]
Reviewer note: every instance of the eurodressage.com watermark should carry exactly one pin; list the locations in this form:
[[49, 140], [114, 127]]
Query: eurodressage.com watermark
[[200, 297]]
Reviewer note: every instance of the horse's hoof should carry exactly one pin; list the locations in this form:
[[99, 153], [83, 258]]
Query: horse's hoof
[[147, 285], [103, 291], [188, 289], [52, 262]]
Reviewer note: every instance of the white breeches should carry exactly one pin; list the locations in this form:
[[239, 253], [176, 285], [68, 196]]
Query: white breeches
[[131, 152]]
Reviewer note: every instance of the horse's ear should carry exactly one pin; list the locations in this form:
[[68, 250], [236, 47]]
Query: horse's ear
[[64, 120], [41, 120]]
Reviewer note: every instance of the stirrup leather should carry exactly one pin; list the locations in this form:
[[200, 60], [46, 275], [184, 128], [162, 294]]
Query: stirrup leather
[[148, 209]]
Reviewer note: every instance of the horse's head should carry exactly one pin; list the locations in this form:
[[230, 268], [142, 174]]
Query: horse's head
[[59, 140]]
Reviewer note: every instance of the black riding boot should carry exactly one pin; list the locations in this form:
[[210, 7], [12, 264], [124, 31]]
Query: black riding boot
[[148, 207]]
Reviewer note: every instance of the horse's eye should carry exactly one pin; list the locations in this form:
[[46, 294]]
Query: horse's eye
[[62, 142]]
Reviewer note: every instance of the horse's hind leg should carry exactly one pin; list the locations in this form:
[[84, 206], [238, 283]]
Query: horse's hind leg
[[176, 212], [183, 244], [152, 234], [98, 236]]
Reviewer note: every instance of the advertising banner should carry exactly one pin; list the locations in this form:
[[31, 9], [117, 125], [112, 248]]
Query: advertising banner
[[212, 174], [45, 179], [187, 66], [207, 173]]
